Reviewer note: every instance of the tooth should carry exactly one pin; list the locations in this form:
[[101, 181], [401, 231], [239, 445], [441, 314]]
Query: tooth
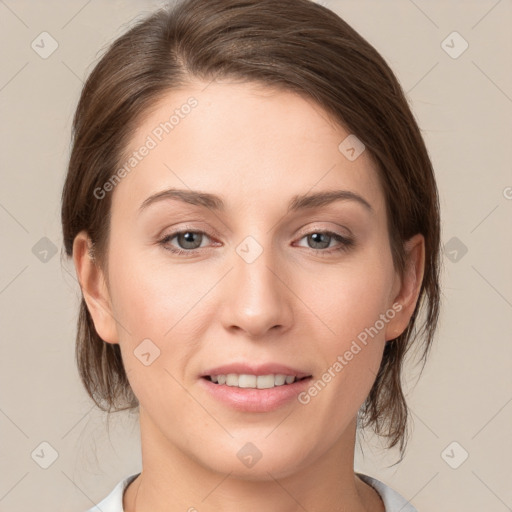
[[232, 379], [265, 381], [247, 381], [280, 379], [253, 381]]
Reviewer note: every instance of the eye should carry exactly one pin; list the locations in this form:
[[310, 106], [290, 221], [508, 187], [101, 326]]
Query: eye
[[321, 240], [189, 240]]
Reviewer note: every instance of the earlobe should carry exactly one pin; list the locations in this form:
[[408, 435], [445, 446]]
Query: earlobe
[[410, 286], [94, 288]]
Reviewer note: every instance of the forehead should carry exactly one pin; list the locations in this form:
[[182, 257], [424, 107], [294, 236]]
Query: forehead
[[254, 146]]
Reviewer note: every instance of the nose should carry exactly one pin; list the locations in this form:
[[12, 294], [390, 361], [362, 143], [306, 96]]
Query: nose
[[257, 295]]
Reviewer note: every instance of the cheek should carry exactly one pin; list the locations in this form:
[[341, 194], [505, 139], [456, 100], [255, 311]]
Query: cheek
[[154, 308], [150, 295], [350, 298], [346, 307], [154, 305]]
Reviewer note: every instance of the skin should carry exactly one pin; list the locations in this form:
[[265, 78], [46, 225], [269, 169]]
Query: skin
[[256, 147]]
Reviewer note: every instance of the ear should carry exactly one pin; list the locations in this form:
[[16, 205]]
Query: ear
[[406, 290], [94, 288]]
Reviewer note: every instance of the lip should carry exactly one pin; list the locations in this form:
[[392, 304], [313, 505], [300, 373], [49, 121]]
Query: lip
[[255, 400], [262, 369]]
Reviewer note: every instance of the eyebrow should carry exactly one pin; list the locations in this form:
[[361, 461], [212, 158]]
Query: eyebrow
[[215, 202]]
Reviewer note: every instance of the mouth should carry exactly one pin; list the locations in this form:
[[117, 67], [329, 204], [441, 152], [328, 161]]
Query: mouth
[[249, 387], [251, 393], [250, 381]]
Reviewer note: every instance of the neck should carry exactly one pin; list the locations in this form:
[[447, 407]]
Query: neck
[[172, 481]]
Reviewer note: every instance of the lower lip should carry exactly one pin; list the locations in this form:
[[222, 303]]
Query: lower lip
[[255, 400]]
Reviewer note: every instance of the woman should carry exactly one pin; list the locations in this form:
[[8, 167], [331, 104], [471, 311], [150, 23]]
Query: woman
[[254, 221]]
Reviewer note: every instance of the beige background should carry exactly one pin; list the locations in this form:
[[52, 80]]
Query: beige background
[[464, 107]]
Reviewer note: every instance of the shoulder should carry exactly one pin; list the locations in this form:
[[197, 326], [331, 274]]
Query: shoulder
[[114, 501], [393, 501]]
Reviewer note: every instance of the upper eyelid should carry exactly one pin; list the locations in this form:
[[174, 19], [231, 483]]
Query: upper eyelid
[[336, 230]]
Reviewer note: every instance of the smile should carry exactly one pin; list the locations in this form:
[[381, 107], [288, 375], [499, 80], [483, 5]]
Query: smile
[[253, 381]]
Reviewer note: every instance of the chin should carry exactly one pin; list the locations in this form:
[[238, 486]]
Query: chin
[[253, 461]]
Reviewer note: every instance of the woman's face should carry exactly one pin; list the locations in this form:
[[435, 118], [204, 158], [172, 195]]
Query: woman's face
[[256, 290]]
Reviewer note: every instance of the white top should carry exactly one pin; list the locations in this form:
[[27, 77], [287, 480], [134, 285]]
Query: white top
[[393, 501]]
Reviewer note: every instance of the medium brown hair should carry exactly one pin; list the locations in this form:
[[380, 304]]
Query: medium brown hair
[[295, 45]]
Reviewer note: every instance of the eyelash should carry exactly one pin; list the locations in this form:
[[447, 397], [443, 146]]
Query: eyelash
[[345, 243]]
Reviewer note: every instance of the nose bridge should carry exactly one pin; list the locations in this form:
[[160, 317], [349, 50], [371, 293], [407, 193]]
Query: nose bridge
[[257, 296]]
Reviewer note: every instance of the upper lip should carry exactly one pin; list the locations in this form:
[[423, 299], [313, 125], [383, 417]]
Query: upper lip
[[252, 369]]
